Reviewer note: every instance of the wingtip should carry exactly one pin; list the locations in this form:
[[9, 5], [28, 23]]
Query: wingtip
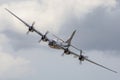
[[6, 9], [114, 71]]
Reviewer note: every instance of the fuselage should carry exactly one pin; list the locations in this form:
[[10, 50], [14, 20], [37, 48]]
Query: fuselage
[[57, 45]]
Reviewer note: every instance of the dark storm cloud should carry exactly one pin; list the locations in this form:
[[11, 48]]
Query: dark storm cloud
[[99, 30]]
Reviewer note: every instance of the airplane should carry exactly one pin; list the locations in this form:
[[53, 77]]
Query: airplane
[[63, 45]]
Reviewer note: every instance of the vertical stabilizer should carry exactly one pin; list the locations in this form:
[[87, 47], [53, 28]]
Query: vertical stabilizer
[[71, 37]]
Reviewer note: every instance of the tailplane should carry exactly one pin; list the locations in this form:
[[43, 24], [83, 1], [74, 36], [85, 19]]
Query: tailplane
[[71, 37]]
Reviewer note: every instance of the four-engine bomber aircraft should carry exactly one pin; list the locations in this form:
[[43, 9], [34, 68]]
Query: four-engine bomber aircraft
[[64, 45]]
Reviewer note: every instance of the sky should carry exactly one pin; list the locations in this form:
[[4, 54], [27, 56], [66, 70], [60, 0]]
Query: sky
[[98, 28]]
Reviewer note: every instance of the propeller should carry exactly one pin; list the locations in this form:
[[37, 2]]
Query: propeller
[[27, 32], [30, 29], [43, 37], [80, 62], [82, 57], [40, 40], [66, 51], [33, 24]]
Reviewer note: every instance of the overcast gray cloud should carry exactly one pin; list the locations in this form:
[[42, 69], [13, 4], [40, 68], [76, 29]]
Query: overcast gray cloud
[[99, 30], [97, 24], [87, 18]]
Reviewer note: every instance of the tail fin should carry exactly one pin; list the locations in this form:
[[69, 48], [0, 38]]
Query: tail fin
[[71, 37]]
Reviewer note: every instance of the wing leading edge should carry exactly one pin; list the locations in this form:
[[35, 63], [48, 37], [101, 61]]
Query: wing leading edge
[[25, 23], [76, 55]]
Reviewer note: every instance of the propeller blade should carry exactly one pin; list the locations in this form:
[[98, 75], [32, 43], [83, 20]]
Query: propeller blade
[[80, 62], [40, 40], [33, 23], [81, 52], [27, 32], [46, 33]]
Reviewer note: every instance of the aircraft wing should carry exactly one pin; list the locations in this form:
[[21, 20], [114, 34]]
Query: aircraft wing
[[24, 22], [100, 65], [17, 17], [76, 55]]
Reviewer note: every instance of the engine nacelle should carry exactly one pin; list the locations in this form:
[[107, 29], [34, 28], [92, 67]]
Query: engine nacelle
[[31, 29], [81, 58], [67, 51], [44, 38], [51, 43]]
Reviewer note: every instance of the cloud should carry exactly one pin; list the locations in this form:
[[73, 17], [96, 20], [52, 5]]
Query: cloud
[[63, 16], [3, 39], [34, 13], [50, 14], [50, 63], [99, 30], [12, 66], [60, 17]]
